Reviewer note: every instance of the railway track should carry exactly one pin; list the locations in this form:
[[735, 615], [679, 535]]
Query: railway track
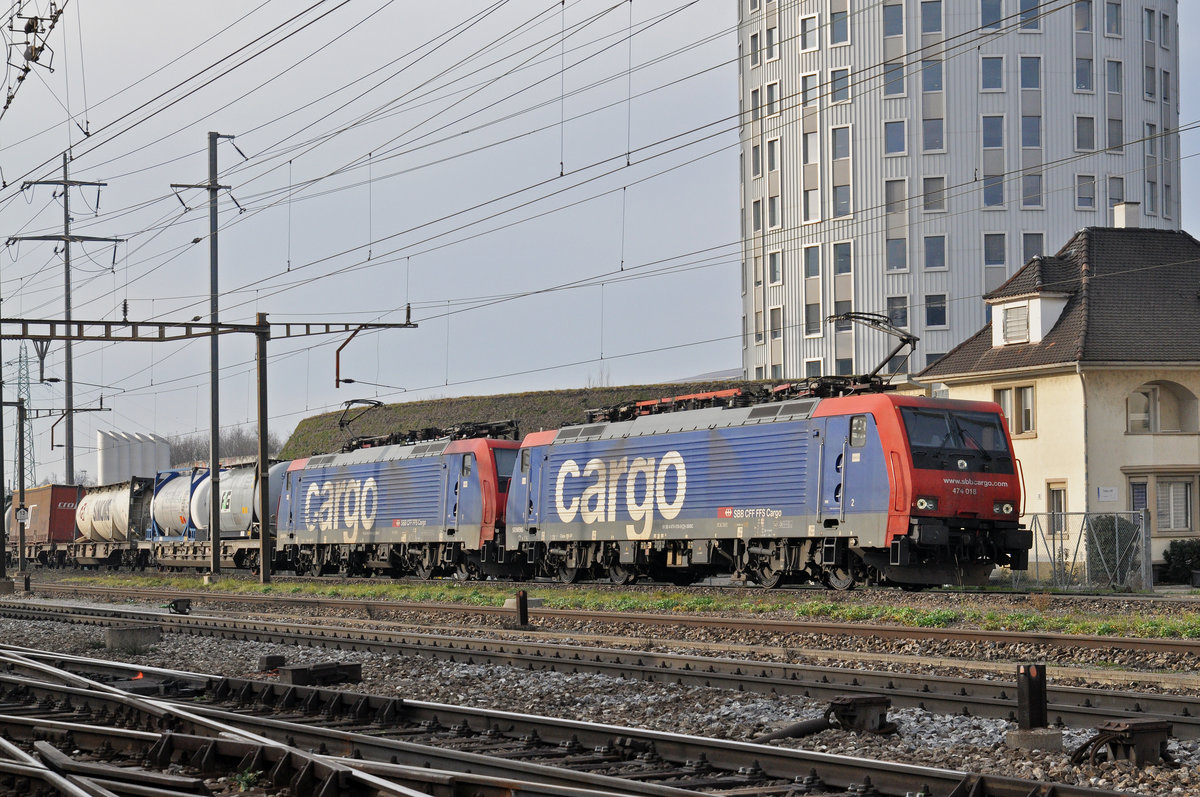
[[651, 620], [376, 745], [1072, 706]]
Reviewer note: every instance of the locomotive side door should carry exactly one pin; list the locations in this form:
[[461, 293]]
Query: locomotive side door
[[835, 454], [459, 468]]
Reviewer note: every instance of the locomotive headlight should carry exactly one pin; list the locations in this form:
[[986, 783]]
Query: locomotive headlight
[[1002, 508], [926, 504]]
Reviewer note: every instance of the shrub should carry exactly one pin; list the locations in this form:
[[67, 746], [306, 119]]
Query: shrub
[[1181, 558], [1113, 550]]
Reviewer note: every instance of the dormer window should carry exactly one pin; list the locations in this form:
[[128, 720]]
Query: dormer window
[[1016, 323]]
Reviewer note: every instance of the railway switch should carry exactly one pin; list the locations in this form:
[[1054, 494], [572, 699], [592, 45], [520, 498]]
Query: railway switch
[[1141, 742]]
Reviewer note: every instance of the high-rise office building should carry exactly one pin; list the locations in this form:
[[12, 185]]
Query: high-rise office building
[[905, 157]]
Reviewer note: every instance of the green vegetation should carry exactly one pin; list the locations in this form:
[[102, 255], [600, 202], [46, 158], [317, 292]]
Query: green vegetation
[[1181, 558], [546, 409], [248, 779], [885, 608]]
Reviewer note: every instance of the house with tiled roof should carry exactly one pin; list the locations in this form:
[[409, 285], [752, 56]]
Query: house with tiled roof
[[1094, 355]]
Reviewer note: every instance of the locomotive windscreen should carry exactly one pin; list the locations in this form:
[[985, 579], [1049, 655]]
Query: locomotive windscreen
[[505, 459], [945, 439]]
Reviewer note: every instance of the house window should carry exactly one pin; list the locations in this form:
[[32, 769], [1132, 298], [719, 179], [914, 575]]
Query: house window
[[893, 20], [993, 191], [1056, 506], [993, 132], [775, 267], [772, 42], [841, 201], [1165, 39], [1114, 76], [1031, 131], [1112, 18], [1030, 15], [1116, 133], [812, 319], [841, 143], [1032, 245], [933, 137], [808, 89], [758, 372], [933, 357], [812, 261], [812, 368], [893, 196], [1148, 25], [845, 366], [1031, 72], [841, 308], [897, 310], [772, 99], [931, 76], [1174, 504], [755, 100], [1017, 403], [935, 251], [935, 310], [842, 260], [1085, 133], [774, 212], [1152, 197], [1083, 15], [777, 372], [758, 326], [1083, 74], [935, 193], [776, 323], [1116, 191], [758, 274], [756, 160], [1016, 324], [1085, 191], [897, 254], [1031, 190], [757, 215], [993, 249], [893, 138], [1166, 86], [839, 85], [893, 79], [1160, 407], [754, 52], [1150, 82], [839, 28], [991, 73], [811, 147], [931, 16], [808, 33], [812, 204], [989, 14], [773, 155]]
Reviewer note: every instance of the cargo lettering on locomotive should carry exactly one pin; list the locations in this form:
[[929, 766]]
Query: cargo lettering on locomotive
[[598, 503], [349, 503]]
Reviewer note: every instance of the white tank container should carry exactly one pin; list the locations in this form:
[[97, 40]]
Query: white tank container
[[238, 497], [172, 505], [103, 514], [200, 503]]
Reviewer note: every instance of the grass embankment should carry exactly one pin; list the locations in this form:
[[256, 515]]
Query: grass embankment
[[883, 609]]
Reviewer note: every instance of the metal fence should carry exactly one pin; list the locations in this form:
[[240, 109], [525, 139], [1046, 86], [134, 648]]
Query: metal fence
[[1088, 550]]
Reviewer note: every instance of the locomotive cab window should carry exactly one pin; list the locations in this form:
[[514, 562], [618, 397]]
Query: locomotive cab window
[[505, 459], [525, 460], [858, 431], [468, 463], [956, 440]]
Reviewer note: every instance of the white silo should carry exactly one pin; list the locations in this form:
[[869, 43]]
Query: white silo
[[105, 458]]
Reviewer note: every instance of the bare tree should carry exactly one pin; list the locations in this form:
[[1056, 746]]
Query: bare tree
[[240, 441]]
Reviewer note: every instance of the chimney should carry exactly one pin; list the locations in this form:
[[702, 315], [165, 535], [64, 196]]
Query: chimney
[[1127, 215]]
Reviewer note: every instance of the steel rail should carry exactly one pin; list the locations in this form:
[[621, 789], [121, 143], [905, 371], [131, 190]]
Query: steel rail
[[329, 706], [1139, 644], [1075, 706]]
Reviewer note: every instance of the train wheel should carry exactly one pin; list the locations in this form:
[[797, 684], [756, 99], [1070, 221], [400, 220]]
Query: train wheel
[[838, 578], [768, 577], [568, 575], [468, 571], [621, 575], [422, 571]]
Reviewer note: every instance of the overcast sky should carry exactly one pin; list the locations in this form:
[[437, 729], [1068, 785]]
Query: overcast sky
[[551, 227]]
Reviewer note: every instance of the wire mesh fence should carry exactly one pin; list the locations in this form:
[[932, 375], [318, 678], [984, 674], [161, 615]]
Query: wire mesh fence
[[1088, 550]]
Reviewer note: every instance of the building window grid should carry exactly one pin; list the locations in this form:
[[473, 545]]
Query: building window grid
[[992, 128], [1083, 16], [1031, 15], [773, 153], [1114, 72], [776, 323], [934, 194], [1085, 133], [935, 310], [841, 308], [755, 160], [897, 311], [990, 14], [772, 43], [843, 258], [808, 33], [755, 53], [1031, 72], [933, 135], [896, 255], [931, 16], [812, 261], [893, 20], [931, 76], [1112, 18], [894, 138], [775, 267], [839, 85], [772, 98], [1083, 75], [839, 28], [1085, 192], [1031, 190], [1017, 405], [991, 73]]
